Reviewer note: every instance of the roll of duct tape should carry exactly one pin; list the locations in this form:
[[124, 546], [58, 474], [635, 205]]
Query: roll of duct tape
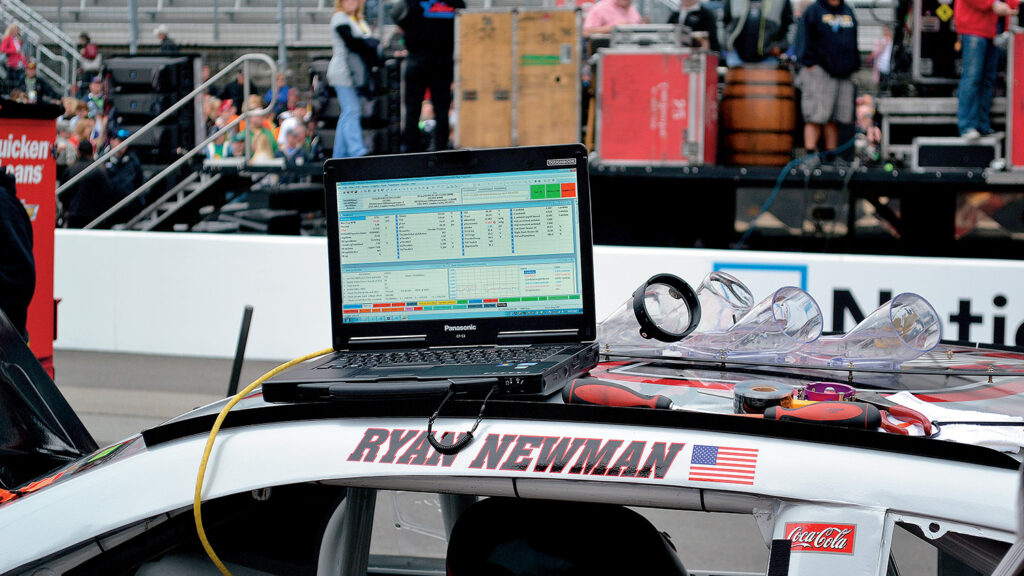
[[756, 396]]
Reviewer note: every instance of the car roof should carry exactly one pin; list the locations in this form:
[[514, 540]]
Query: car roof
[[622, 455]]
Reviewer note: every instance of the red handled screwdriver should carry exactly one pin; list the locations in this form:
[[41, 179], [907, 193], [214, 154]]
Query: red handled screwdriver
[[604, 393], [846, 414]]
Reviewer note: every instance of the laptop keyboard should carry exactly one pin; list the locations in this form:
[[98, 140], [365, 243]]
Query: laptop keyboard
[[489, 356]]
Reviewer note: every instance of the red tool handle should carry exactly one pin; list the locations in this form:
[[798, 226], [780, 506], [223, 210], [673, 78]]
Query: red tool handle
[[912, 416], [847, 414], [604, 393]]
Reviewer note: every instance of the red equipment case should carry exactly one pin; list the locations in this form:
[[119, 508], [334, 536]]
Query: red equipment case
[[1015, 101], [656, 107]]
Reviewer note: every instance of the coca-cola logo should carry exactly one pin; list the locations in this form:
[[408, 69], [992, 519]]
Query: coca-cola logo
[[833, 538]]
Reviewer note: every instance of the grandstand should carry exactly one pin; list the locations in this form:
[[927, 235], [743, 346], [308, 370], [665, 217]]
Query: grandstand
[[194, 23], [217, 32], [216, 27]]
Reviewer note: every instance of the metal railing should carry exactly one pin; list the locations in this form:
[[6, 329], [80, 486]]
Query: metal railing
[[39, 32], [242, 61]]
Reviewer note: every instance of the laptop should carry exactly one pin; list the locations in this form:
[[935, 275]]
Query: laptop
[[463, 268]]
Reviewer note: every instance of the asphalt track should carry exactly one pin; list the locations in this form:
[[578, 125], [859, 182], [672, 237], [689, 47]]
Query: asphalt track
[[117, 395]]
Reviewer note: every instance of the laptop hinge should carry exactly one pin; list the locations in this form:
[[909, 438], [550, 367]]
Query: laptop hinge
[[533, 336], [370, 343]]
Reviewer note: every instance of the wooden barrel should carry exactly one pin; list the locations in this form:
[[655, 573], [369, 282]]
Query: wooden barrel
[[758, 116]]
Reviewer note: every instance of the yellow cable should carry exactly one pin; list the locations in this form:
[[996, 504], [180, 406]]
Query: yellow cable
[[209, 449]]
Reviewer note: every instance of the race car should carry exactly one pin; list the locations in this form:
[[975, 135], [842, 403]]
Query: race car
[[580, 482]]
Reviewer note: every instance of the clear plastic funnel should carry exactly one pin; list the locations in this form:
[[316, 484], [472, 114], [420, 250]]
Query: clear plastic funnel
[[779, 324], [899, 330], [723, 301], [663, 309]]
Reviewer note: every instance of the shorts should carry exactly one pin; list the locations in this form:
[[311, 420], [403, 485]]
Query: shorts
[[825, 99]]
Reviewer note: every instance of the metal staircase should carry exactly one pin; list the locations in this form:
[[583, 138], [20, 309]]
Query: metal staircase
[[183, 205], [54, 52], [187, 203]]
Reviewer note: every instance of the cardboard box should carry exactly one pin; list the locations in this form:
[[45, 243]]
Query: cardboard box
[[548, 81], [483, 78], [656, 107], [517, 77]]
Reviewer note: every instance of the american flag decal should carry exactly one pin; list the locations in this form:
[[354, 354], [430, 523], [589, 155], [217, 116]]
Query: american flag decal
[[723, 464]]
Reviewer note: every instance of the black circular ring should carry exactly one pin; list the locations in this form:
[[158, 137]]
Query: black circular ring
[[648, 329]]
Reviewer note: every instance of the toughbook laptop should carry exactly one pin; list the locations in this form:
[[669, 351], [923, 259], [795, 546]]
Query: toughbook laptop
[[466, 266]]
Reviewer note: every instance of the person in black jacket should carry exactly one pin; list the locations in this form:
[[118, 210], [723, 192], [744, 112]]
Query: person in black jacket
[[429, 32], [17, 264], [36, 88], [756, 31], [827, 50], [92, 195], [124, 169], [168, 47], [699, 18], [235, 91]]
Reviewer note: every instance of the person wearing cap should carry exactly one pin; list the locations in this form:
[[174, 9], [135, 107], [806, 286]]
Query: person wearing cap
[[96, 98], [36, 88], [295, 151], [237, 149], [124, 168], [91, 196], [220, 147], [225, 115], [167, 46]]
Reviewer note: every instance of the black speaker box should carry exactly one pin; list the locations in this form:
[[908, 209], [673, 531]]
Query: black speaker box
[[163, 74], [953, 154], [142, 105], [159, 144]]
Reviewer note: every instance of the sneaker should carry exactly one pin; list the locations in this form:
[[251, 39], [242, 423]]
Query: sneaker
[[971, 134]]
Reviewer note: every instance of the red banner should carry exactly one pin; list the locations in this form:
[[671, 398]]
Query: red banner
[[1015, 103], [25, 147]]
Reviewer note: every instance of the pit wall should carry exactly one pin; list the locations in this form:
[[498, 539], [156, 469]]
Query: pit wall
[[184, 294]]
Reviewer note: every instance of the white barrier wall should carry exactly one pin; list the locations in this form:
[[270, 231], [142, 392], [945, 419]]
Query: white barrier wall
[[183, 294]]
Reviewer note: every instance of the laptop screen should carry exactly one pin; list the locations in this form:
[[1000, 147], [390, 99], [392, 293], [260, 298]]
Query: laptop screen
[[460, 246]]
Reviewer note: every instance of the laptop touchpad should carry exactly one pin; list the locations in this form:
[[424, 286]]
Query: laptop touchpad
[[396, 371]]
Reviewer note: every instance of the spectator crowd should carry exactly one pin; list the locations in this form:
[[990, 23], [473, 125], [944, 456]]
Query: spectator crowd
[[818, 38]]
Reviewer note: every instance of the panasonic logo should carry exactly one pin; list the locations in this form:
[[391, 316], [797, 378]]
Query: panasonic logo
[[562, 162], [448, 328]]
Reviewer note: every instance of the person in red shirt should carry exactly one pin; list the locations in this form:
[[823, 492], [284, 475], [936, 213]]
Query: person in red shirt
[[10, 46], [977, 22]]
